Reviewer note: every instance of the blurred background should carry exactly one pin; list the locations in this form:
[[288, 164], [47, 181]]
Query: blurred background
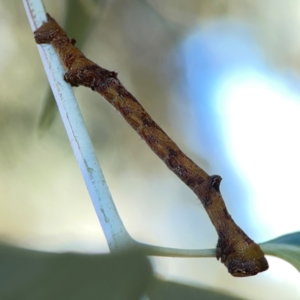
[[220, 77]]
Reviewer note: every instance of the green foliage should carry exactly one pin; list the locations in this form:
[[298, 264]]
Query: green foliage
[[26, 274], [35, 275], [167, 290], [286, 247]]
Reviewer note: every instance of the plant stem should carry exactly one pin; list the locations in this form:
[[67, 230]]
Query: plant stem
[[116, 235]]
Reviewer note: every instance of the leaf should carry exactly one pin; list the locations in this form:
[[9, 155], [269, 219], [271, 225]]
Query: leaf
[[286, 247], [290, 239], [167, 290], [35, 275]]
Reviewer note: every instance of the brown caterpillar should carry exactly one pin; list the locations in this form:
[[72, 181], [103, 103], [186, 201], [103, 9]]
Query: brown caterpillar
[[237, 251]]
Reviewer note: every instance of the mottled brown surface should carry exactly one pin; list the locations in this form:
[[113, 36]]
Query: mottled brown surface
[[236, 250]]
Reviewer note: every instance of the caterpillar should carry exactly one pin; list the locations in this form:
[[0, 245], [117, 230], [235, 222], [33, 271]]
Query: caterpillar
[[241, 255]]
